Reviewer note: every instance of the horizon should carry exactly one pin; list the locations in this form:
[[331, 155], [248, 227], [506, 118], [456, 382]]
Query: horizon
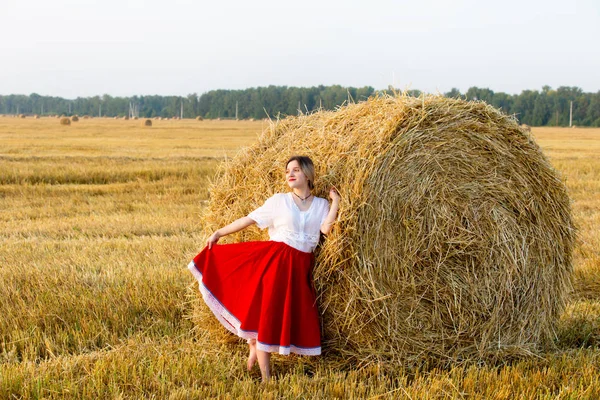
[[288, 87]]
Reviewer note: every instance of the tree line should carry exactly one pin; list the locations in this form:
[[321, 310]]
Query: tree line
[[548, 107]]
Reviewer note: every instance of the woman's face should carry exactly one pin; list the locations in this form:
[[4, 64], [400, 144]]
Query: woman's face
[[294, 176]]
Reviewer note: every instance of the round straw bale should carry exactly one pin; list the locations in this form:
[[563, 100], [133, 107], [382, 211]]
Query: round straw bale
[[199, 118], [65, 121], [454, 237], [74, 118], [126, 117], [21, 115], [135, 118], [36, 116], [147, 122]]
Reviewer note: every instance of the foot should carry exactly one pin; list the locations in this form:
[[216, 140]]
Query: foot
[[252, 356]]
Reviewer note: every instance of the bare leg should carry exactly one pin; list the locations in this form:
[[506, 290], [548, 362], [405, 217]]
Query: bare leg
[[252, 355], [264, 361]]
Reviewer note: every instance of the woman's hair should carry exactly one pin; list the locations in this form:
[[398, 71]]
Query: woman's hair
[[307, 167]]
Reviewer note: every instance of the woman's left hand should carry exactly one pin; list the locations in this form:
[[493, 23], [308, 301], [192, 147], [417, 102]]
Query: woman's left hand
[[333, 194]]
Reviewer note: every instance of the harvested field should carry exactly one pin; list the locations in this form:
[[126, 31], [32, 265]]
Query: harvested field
[[99, 220]]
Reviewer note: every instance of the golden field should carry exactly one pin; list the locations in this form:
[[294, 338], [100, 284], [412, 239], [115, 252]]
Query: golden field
[[98, 221]]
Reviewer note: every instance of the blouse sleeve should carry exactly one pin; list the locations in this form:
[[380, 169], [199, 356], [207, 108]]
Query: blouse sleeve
[[324, 211], [263, 215]]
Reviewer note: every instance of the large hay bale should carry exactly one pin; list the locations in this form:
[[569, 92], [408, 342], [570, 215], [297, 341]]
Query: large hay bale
[[65, 121], [74, 118], [454, 236], [147, 122], [199, 118]]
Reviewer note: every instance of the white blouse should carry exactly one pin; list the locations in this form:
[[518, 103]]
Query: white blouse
[[298, 229]]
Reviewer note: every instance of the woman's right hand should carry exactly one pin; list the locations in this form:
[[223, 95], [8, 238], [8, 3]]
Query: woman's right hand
[[213, 239]]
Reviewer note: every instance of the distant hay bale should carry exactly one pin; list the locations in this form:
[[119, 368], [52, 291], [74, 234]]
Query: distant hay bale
[[126, 117], [454, 239], [147, 122], [65, 121], [21, 115], [251, 119], [199, 118], [86, 117], [74, 118], [36, 116], [135, 118], [526, 128]]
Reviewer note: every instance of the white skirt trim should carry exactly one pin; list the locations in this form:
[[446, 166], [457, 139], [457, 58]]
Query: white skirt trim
[[232, 324]]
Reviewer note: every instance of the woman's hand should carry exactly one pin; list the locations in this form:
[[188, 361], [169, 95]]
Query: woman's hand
[[213, 239], [333, 210], [333, 194]]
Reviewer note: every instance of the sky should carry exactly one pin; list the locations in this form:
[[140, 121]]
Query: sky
[[82, 48]]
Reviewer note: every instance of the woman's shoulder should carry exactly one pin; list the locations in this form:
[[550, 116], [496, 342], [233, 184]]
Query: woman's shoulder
[[322, 201], [278, 197]]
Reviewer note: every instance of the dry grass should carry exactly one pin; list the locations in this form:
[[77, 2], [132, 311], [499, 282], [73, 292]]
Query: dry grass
[[97, 225]]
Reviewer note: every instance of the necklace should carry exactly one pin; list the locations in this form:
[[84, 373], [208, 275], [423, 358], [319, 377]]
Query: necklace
[[302, 199]]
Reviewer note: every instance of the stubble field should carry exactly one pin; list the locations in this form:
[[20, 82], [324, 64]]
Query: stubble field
[[98, 221]]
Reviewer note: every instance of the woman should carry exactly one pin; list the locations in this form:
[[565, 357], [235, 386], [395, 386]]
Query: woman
[[262, 291]]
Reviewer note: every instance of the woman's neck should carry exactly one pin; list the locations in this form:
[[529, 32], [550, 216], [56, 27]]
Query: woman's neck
[[302, 192]]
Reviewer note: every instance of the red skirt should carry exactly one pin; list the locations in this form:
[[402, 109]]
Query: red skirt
[[262, 291]]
